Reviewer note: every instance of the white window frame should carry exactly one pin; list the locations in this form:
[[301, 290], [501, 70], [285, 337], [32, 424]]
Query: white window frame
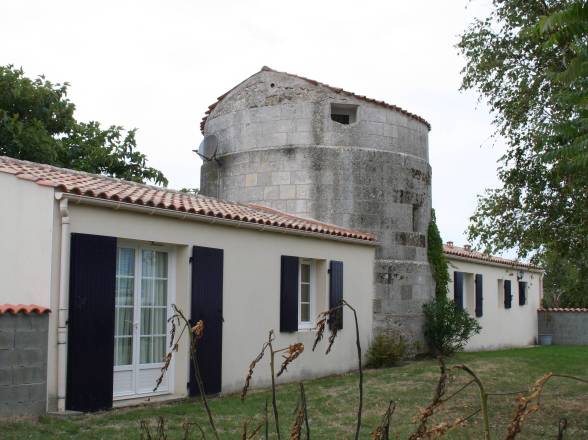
[[171, 294], [307, 325]]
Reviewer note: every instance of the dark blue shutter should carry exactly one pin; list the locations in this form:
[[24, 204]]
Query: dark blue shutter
[[522, 293], [479, 295], [207, 305], [289, 294], [458, 289], [507, 294], [90, 348], [336, 292]]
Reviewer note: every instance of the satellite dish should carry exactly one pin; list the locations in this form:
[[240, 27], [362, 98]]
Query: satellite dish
[[208, 148]]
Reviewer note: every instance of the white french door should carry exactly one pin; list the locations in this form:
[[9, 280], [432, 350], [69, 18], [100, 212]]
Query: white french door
[[142, 299]]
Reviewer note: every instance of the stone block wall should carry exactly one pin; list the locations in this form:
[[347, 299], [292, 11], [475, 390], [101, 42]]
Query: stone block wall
[[567, 326], [23, 364], [279, 147]]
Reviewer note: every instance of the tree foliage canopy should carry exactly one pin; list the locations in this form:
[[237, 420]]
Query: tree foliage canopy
[[529, 61], [37, 123]]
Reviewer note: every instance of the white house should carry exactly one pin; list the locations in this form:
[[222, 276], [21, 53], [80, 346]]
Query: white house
[[502, 294], [109, 257]]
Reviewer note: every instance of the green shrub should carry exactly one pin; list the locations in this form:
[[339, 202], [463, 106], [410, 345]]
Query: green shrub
[[447, 327], [386, 350]]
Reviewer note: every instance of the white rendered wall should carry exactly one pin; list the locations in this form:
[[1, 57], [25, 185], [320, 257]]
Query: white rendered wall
[[251, 296], [514, 327], [26, 227]]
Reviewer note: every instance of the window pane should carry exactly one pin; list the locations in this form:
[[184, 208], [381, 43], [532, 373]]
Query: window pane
[[148, 263], [146, 321], [161, 264], [147, 286], [159, 321], [125, 261], [160, 293], [146, 354], [158, 348], [123, 351], [123, 324], [124, 291], [305, 292], [305, 273], [305, 312]]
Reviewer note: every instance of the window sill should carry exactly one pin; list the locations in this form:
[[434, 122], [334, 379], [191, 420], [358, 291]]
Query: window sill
[[122, 397], [306, 329]]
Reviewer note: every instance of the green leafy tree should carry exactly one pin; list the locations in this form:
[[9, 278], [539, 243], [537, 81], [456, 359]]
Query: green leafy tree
[[37, 123], [528, 60]]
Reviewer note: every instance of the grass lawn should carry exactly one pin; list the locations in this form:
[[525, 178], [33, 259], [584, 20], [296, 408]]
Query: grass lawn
[[332, 402]]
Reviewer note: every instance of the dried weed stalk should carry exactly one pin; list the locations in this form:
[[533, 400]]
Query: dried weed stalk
[[382, 432], [425, 413], [527, 405], [301, 417], [330, 317], [195, 333], [290, 354], [158, 434]]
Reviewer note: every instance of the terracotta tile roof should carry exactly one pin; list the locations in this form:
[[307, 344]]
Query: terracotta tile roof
[[564, 309], [101, 187], [317, 83], [450, 249], [27, 309]]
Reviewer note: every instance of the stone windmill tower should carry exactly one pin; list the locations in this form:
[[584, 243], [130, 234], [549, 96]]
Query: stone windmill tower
[[313, 150]]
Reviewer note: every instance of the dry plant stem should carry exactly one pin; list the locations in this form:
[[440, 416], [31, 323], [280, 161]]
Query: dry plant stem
[[382, 432], [358, 344], [524, 407], [561, 428], [193, 345], [273, 372], [303, 397], [483, 399], [427, 412], [266, 422], [321, 324], [186, 427]]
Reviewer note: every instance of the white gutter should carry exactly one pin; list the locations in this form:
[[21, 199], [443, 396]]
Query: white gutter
[[63, 302], [182, 215]]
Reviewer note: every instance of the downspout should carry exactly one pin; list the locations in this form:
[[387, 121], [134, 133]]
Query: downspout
[[63, 302]]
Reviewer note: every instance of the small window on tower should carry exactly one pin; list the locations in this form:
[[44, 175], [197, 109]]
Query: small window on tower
[[344, 113]]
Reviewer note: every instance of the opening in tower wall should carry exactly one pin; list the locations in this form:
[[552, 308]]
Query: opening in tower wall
[[344, 113]]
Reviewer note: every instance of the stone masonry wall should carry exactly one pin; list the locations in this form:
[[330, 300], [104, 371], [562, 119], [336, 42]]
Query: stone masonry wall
[[278, 147], [567, 328], [23, 364]]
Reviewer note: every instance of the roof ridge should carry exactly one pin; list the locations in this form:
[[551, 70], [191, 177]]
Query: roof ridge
[[315, 82], [478, 255]]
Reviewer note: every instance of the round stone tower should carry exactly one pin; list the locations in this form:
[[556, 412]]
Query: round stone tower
[[316, 151]]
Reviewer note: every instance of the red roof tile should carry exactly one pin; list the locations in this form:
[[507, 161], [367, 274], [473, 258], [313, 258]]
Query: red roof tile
[[23, 308], [565, 309], [475, 255], [101, 187], [317, 83]]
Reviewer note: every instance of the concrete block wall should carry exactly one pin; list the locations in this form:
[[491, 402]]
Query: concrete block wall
[[566, 327], [278, 147], [23, 364]]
